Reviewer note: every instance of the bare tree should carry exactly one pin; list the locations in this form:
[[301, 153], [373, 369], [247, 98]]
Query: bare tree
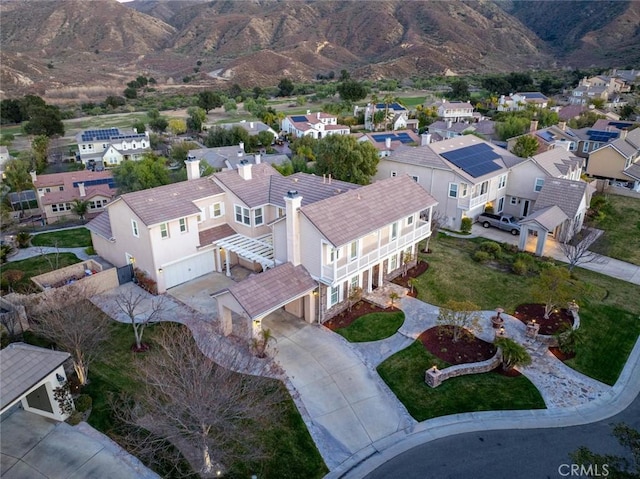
[[140, 311], [79, 328], [576, 249], [461, 315], [552, 288], [438, 219], [211, 414]]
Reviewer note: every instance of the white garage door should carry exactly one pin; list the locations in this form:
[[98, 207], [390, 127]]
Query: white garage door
[[188, 269]]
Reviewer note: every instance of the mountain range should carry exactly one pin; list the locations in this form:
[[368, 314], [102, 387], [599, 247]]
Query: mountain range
[[77, 47]]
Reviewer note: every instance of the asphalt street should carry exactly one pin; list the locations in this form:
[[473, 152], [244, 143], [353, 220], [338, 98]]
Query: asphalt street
[[521, 454]]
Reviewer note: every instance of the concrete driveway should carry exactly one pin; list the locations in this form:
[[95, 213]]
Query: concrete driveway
[[348, 403], [38, 448]]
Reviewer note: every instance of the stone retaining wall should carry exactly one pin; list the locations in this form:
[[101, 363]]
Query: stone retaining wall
[[551, 341], [434, 377]]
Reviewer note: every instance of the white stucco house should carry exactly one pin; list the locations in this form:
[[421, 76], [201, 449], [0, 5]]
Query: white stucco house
[[106, 148], [316, 125]]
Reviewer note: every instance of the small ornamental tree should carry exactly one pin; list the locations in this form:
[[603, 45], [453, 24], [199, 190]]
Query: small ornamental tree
[[552, 288], [139, 312], [525, 146], [461, 316]]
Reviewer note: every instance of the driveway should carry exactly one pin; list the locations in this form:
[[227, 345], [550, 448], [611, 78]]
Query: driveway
[[349, 407], [38, 448]]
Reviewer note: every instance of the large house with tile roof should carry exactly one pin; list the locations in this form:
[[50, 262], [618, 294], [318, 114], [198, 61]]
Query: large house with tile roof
[[548, 138], [520, 101], [464, 174], [602, 132], [387, 142], [335, 234], [229, 157], [106, 148], [396, 117], [618, 160], [57, 192], [316, 125], [455, 111]]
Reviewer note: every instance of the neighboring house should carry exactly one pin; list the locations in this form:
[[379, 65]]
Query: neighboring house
[[109, 147], [252, 127], [450, 129], [627, 76], [57, 192], [314, 237], [4, 157], [527, 178], [387, 142], [618, 160], [551, 137], [520, 101], [316, 125], [560, 210], [455, 110], [599, 134], [229, 157], [397, 116], [463, 174]]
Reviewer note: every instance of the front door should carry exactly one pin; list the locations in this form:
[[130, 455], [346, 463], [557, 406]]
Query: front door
[[525, 208]]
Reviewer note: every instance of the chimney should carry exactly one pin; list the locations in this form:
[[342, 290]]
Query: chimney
[[293, 201], [244, 169], [329, 179], [308, 112], [34, 176], [387, 143], [449, 124], [83, 192], [562, 125], [193, 168], [623, 134], [241, 149], [258, 159], [425, 139], [251, 125], [318, 115], [534, 126]]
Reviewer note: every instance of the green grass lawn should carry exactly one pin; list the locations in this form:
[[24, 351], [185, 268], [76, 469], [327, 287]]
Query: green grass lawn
[[372, 327], [294, 452], [412, 101], [608, 305], [38, 265], [621, 238], [404, 373], [72, 238]]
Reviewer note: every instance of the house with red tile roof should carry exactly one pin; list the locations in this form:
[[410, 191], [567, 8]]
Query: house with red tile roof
[[316, 125]]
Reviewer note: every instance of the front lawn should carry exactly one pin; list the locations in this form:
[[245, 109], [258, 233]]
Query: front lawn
[[71, 238], [608, 305], [372, 327], [35, 266], [404, 373], [621, 238]]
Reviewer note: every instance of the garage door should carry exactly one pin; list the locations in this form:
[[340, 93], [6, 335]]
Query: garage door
[[188, 269]]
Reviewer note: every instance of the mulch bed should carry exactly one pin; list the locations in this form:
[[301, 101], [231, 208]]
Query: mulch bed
[[468, 349], [345, 318], [557, 320], [560, 355], [417, 270]]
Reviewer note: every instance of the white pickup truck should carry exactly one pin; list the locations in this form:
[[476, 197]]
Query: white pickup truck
[[504, 222]]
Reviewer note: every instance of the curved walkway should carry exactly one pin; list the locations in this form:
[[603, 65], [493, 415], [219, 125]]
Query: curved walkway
[[33, 251]]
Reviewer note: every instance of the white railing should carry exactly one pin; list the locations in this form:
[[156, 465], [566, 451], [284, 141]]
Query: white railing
[[351, 267], [478, 200]]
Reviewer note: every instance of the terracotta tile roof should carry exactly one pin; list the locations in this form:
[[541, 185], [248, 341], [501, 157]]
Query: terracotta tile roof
[[216, 233], [312, 188], [67, 179], [548, 217], [101, 225], [633, 171], [557, 161], [253, 192], [353, 214], [22, 366], [566, 194], [262, 293], [71, 194], [169, 202]]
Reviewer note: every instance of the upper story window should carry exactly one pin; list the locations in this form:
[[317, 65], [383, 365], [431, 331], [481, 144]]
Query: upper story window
[[409, 220], [463, 189], [415, 178], [334, 255], [242, 215], [134, 228], [453, 190], [281, 212], [585, 147], [216, 210], [537, 186], [258, 217], [353, 250], [183, 225], [394, 231], [394, 174], [502, 181], [202, 216], [572, 146], [484, 187], [164, 230]]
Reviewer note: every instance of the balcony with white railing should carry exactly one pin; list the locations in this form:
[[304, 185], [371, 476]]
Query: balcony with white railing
[[468, 203], [345, 267]]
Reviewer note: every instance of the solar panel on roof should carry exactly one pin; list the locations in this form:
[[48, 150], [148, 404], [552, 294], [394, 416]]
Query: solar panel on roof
[[620, 124], [476, 160], [299, 118]]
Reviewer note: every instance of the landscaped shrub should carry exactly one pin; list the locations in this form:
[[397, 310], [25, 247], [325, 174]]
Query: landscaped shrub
[[519, 267], [146, 283], [23, 238], [492, 248], [481, 256], [488, 209], [90, 251], [83, 403], [465, 225], [5, 251], [75, 418]]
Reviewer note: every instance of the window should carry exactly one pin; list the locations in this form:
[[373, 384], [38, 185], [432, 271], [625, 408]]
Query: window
[[334, 254], [281, 212], [216, 210], [453, 190], [484, 187], [258, 219], [334, 295], [409, 220], [500, 204], [242, 215], [164, 230], [463, 190], [393, 263], [572, 146], [394, 231], [514, 200], [353, 250], [502, 182], [415, 178], [354, 283], [183, 225], [394, 174], [134, 228], [61, 188], [48, 190], [202, 216], [585, 147], [538, 184]]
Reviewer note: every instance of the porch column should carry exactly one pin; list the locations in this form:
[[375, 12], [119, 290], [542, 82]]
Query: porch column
[[542, 239], [310, 308], [380, 273], [226, 258], [218, 260], [226, 321], [522, 241], [255, 327], [370, 280]]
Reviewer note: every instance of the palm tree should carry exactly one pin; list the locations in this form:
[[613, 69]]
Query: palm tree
[[393, 297], [513, 354], [80, 207]]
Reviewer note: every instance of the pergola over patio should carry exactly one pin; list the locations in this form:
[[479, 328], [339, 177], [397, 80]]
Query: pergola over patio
[[259, 250]]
